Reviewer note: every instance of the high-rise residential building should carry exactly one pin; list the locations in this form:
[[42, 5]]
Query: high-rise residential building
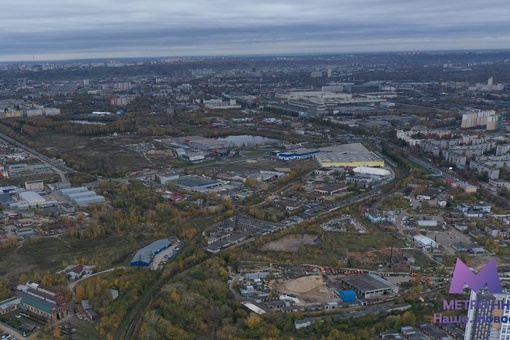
[[487, 119], [490, 86], [477, 328], [487, 316]]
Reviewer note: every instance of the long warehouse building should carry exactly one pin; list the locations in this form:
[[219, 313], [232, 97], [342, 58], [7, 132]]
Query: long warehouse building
[[144, 256], [348, 155], [370, 285]]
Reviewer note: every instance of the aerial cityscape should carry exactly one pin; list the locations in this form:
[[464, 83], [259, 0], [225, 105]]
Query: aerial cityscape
[[264, 171]]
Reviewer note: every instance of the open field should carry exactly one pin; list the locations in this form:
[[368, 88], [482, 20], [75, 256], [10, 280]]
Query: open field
[[92, 152], [331, 252], [291, 243], [375, 256], [49, 254]]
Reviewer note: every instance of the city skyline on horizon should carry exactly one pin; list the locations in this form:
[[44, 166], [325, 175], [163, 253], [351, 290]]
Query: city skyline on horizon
[[297, 55], [129, 29]]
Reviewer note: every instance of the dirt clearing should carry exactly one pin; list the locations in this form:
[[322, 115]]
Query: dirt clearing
[[292, 243]]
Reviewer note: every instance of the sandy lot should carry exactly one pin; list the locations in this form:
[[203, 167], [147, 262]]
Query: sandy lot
[[291, 243], [310, 289]]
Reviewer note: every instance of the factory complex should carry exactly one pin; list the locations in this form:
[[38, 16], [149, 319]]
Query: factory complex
[[337, 156]]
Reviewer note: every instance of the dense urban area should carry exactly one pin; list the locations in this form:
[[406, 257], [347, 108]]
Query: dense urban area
[[322, 197]]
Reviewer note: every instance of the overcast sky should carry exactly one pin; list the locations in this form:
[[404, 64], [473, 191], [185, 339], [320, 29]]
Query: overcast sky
[[70, 29]]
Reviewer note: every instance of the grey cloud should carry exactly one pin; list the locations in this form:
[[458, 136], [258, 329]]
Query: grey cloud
[[55, 28]]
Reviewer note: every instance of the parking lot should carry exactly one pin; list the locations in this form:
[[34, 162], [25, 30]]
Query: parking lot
[[449, 237]]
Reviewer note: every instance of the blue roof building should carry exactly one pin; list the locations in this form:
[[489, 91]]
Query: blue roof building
[[298, 154], [144, 256], [348, 295]]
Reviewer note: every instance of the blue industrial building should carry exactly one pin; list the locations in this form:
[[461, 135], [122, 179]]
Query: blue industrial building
[[298, 154], [348, 295], [144, 256]]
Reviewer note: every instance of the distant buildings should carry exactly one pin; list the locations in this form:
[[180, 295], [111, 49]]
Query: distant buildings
[[490, 86], [220, 104], [16, 109], [487, 119]]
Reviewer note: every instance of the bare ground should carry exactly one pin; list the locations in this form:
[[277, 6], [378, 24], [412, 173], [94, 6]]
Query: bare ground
[[311, 289], [290, 243]]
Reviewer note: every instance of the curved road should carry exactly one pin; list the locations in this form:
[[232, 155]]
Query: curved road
[[72, 284]]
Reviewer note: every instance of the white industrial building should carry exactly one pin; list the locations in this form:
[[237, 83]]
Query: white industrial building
[[82, 196], [68, 191], [83, 201], [427, 223], [371, 171], [425, 242], [32, 197]]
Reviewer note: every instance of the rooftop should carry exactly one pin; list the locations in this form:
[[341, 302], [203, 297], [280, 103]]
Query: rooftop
[[193, 181], [36, 302], [368, 282], [146, 254]]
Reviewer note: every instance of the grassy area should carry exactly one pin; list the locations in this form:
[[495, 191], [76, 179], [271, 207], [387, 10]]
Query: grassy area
[[106, 154], [332, 251], [15, 322], [135, 313], [20, 180], [504, 253], [51, 254], [419, 167], [85, 330]]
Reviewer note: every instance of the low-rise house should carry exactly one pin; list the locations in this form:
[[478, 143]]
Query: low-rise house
[[481, 207], [390, 335], [293, 308], [324, 171], [492, 231], [302, 323], [77, 271], [278, 304], [428, 194], [93, 316]]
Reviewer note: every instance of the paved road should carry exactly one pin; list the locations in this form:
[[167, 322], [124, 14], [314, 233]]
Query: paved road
[[72, 284], [60, 168]]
